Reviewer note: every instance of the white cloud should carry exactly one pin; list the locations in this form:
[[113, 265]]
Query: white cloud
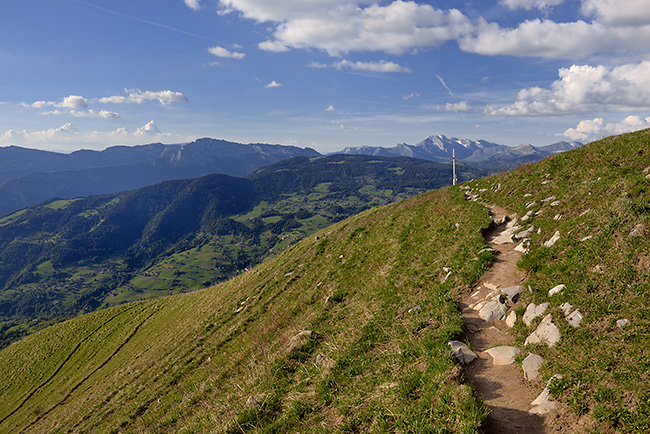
[[222, 52], [273, 46], [330, 109], [85, 114], [410, 96], [193, 4], [280, 10], [136, 96], [618, 12], [343, 26], [25, 136], [548, 39], [150, 129], [273, 84], [72, 102], [381, 66], [462, 106], [589, 130], [317, 65], [542, 5], [584, 88], [68, 137]]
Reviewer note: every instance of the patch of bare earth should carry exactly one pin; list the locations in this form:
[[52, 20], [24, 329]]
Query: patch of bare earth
[[502, 387]]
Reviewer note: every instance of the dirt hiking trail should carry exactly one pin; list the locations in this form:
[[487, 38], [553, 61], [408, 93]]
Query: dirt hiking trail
[[502, 387]]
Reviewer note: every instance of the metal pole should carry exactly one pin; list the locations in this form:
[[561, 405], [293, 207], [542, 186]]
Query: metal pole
[[453, 159]]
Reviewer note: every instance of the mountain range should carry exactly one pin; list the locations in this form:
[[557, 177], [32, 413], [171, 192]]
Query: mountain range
[[29, 176], [479, 153]]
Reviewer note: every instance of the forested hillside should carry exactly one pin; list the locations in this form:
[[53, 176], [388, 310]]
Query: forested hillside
[[72, 256]]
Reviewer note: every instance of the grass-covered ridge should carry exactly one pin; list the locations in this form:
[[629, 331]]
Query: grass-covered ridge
[[598, 198], [189, 363]]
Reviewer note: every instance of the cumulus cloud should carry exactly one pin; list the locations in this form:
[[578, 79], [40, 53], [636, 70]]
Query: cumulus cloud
[[548, 39], [542, 5], [222, 52], [280, 10], [72, 102], [410, 96], [330, 109], [381, 66], [589, 130], [618, 12], [25, 136], [136, 96], [193, 4], [342, 26], [150, 129], [583, 88], [273, 84]]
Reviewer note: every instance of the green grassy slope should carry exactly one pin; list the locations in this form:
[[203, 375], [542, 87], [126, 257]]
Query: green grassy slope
[[189, 363], [69, 257], [603, 191]]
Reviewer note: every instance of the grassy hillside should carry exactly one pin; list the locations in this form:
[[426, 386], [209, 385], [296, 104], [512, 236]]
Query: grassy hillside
[[598, 198], [67, 257], [347, 330], [189, 363]]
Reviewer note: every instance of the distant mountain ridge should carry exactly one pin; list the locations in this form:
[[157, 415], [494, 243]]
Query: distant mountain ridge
[[29, 176], [479, 153]]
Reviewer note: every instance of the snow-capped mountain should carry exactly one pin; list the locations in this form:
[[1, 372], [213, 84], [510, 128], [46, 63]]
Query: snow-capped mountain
[[475, 152]]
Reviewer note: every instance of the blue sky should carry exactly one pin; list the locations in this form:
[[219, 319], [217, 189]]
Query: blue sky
[[320, 73]]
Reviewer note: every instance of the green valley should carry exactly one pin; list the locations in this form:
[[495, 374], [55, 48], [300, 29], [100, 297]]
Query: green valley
[[67, 257]]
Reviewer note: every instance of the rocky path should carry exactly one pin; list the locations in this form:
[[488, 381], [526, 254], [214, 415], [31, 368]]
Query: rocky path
[[502, 386]]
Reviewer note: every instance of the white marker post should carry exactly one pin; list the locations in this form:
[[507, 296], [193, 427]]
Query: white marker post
[[453, 159]]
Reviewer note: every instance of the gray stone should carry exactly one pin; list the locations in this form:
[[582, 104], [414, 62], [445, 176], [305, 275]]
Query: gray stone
[[622, 323], [637, 231], [566, 308], [531, 365], [300, 339], [544, 403], [252, 402], [556, 290], [513, 292], [503, 355], [462, 353], [546, 333], [549, 199], [554, 239], [523, 246], [524, 234], [511, 319], [493, 311], [556, 203], [533, 311], [506, 236], [528, 215], [575, 318]]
